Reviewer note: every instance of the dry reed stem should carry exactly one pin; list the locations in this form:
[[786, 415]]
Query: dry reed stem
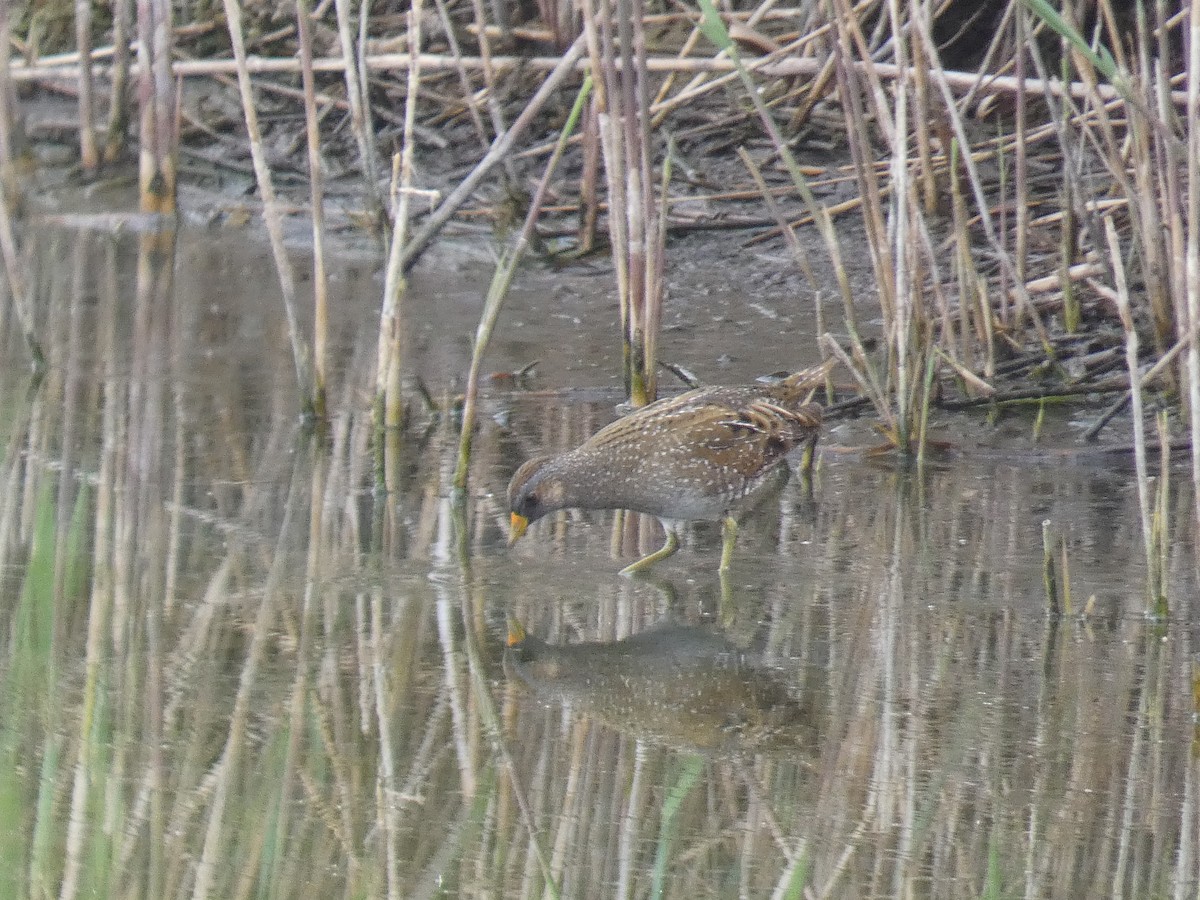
[[492, 95], [89, 154], [1021, 149], [1154, 585], [782, 68], [9, 183], [464, 79], [118, 103], [498, 290], [271, 214], [1146, 150], [353, 69], [228, 764], [312, 134], [589, 182], [1003, 257], [901, 261], [18, 287], [1192, 316], [307, 626], [499, 149], [389, 404], [634, 217], [158, 95], [597, 25]]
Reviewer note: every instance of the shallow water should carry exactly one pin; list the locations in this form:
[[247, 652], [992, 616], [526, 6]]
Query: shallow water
[[232, 668]]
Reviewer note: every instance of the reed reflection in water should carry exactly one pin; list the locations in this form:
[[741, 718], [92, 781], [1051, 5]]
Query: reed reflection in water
[[232, 669]]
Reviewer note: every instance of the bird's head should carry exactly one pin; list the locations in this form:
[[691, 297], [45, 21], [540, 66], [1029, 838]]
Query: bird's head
[[533, 492]]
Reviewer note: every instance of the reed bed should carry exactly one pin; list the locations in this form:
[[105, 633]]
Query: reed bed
[[1021, 183], [981, 151], [232, 669]]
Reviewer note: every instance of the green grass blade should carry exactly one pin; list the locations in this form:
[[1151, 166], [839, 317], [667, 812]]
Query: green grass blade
[[1100, 57], [683, 785]]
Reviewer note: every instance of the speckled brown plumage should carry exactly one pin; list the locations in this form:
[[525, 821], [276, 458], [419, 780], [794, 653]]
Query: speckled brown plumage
[[701, 456]]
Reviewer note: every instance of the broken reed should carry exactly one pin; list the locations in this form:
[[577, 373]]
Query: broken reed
[[389, 404]]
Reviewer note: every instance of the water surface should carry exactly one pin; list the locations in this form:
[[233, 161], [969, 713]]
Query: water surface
[[233, 668]]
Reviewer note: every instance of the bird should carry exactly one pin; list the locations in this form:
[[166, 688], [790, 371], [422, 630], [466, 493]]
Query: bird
[[704, 455], [678, 685]]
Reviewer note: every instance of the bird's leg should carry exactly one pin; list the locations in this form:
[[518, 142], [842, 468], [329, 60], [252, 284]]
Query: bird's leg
[[729, 530], [671, 545]]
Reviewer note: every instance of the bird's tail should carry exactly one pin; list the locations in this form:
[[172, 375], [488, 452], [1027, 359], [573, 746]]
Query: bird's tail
[[809, 379]]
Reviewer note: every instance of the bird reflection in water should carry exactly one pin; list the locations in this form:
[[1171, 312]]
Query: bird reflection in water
[[678, 685]]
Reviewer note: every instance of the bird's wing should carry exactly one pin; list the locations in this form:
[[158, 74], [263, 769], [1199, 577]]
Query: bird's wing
[[743, 429], [772, 430]]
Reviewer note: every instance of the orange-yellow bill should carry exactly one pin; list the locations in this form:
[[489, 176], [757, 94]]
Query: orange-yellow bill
[[516, 527]]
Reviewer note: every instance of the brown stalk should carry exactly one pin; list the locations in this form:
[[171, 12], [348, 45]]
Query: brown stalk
[[871, 192], [923, 117], [118, 102], [89, 154], [388, 400], [18, 285], [499, 149], [901, 327], [495, 112], [498, 291], [158, 146], [1143, 193], [1020, 160], [354, 70], [1191, 310], [644, 252], [271, 213], [1172, 198], [1145, 501], [597, 31], [316, 194], [1193, 243], [768, 67], [589, 200], [464, 79], [9, 183], [1003, 257], [854, 46]]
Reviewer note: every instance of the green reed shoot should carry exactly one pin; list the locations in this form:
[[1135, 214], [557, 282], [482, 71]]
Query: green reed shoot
[[689, 773], [1098, 56], [1049, 575]]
